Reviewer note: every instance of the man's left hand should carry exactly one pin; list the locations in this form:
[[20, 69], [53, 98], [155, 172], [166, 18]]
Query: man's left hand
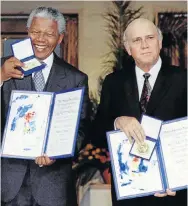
[[168, 192], [44, 161]]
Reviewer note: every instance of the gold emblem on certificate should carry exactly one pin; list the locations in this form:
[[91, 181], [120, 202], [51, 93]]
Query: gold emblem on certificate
[[143, 148]]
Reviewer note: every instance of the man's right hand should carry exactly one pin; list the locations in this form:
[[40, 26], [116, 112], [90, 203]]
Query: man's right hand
[[9, 69], [131, 127]]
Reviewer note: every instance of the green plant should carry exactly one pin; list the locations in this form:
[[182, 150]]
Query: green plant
[[117, 20]]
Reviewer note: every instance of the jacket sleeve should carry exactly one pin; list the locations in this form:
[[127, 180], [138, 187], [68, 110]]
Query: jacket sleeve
[[84, 116]]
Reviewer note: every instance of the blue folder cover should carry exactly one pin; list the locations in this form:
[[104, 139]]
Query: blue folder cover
[[26, 56], [29, 124], [135, 176]]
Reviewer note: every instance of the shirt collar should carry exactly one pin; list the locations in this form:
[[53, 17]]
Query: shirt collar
[[49, 60], [153, 71]]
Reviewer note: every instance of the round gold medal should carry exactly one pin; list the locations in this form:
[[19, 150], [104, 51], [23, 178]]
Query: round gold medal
[[143, 148]]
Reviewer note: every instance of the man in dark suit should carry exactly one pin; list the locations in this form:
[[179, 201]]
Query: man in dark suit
[[120, 105], [44, 182]]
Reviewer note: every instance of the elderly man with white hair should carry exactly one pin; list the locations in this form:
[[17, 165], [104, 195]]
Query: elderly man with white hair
[[43, 182], [149, 86]]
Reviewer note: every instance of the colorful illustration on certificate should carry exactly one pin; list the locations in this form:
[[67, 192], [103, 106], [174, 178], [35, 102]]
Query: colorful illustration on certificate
[[27, 122], [133, 175]]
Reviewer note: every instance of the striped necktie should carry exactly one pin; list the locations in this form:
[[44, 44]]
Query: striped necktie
[[39, 81], [146, 92]]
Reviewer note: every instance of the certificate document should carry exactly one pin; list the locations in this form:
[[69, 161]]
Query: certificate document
[[133, 176], [174, 150], [42, 122], [167, 168]]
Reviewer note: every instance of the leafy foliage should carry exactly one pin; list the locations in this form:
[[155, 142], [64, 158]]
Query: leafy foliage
[[117, 20]]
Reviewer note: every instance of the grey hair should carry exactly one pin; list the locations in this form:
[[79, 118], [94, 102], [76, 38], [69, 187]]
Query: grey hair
[[160, 35], [49, 13]]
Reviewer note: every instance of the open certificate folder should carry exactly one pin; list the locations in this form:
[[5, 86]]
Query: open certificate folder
[[167, 167], [42, 122]]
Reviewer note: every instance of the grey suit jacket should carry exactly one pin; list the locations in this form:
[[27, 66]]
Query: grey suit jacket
[[51, 185]]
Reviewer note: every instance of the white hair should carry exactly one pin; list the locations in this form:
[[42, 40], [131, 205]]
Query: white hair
[[160, 36], [49, 13]]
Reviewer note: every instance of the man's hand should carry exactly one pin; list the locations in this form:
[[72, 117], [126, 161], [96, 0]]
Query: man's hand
[[9, 69], [131, 127], [44, 161], [168, 192]]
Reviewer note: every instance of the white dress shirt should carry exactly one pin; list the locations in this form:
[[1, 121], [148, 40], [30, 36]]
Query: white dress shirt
[[140, 79], [153, 76], [46, 70]]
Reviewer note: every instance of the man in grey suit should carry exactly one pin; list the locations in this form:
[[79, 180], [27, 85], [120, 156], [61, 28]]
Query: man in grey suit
[[43, 182]]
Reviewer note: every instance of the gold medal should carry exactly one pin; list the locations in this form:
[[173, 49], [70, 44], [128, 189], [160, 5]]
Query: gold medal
[[143, 148]]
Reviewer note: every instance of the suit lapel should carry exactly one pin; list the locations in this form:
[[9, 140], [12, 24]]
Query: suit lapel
[[131, 91], [161, 86], [57, 80], [24, 84]]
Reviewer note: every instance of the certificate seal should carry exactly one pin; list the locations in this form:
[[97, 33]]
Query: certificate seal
[[143, 148]]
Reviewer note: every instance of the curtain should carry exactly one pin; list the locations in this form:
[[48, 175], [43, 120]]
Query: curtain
[[70, 42], [174, 28]]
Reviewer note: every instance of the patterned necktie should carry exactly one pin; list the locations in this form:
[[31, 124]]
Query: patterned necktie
[[146, 92], [39, 81]]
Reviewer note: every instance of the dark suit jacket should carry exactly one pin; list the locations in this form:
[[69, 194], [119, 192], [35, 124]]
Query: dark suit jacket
[[120, 97], [51, 185]]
